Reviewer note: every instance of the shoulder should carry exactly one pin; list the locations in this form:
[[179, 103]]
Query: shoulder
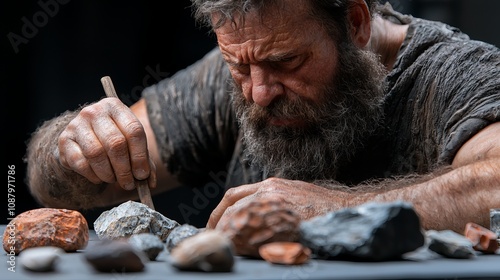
[[433, 49]]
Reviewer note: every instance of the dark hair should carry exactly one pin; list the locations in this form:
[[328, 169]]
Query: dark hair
[[331, 13]]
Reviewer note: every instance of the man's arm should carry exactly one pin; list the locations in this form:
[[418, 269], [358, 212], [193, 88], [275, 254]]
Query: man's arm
[[445, 201], [86, 158], [466, 193]]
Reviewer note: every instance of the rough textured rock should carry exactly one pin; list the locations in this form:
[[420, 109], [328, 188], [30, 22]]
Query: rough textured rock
[[115, 256], [40, 259], [131, 218], [66, 229], [208, 251], [373, 231], [262, 222], [495, 221], [180, 233], [288, 253], [450, 244], [483, 239], [148, 243]]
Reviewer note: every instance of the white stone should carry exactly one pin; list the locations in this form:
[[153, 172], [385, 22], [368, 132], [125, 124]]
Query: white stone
[[40, 258]]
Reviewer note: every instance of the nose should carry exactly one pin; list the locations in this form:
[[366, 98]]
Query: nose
[[265, 85]]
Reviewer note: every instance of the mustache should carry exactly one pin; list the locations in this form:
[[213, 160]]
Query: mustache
[[327, 108]]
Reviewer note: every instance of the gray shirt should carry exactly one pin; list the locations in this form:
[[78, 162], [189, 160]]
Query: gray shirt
[[443, 89]]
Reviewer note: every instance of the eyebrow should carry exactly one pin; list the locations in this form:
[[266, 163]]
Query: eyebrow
[[272, 58]]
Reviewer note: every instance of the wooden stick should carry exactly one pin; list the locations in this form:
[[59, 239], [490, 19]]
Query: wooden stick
[[141, 185]]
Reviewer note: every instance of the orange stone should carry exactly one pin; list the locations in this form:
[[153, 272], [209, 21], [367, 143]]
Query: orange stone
[[66, 229], [483, 239], [288, 253], [263, 221]]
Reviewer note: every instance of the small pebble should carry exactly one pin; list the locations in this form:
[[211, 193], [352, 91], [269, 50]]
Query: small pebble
[[208, 251], [180, 233], [148, 243], [483, 239], [450, 244], [288, 253], [40, 259]]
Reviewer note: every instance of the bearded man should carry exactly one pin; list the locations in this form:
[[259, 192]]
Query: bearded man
[[317, 104]]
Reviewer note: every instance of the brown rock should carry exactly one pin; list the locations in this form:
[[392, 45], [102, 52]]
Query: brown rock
[[66, 229], [288, 253], [483, 239], [262, 222], [208, 251]]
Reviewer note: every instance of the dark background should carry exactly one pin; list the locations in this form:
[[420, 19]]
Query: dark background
[[58, 63]]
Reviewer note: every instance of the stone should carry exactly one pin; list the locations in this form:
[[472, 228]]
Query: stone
[[66, 229], [148, 243], [207, 251], [40, 259], [131, 218], [287, 253], [450, 244], [180, 233], [372, 231], [262, 222], [495, 221], [115, 255], [483, 239]]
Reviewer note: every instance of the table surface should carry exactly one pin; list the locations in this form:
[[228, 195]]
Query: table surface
[[74, 266]]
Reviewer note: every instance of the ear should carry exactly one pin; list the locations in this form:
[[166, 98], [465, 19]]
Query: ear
[[359, 21]]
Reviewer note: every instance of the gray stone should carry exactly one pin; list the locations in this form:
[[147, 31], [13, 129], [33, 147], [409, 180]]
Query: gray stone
[[115, 256], [450, 244], [148, 243], [208, 251], [132, 218], [180, 233], [495, 221], [372, 231], [40, 259]]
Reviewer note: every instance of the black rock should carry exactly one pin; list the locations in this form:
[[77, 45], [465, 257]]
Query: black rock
[[373, 231], [115, 256]]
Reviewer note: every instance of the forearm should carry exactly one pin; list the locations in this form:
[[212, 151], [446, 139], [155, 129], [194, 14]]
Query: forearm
[[50, 183], [451, 200]]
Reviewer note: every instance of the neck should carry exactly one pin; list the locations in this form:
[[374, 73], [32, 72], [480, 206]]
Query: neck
[[386, 40]]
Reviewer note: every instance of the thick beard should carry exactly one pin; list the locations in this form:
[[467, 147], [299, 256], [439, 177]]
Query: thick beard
[[336, 127]]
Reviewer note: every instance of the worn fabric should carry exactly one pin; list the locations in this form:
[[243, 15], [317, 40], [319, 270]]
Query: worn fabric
[[443, 89]]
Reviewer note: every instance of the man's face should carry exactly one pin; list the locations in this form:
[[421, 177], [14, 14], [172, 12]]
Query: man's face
[[302, 100]]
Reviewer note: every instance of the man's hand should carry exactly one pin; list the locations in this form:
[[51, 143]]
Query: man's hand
[[306, 199], [107, 143]]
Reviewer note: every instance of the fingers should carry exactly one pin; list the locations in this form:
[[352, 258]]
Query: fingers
[[231, 196], [137, 144], [107, 143], [111, 155]]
